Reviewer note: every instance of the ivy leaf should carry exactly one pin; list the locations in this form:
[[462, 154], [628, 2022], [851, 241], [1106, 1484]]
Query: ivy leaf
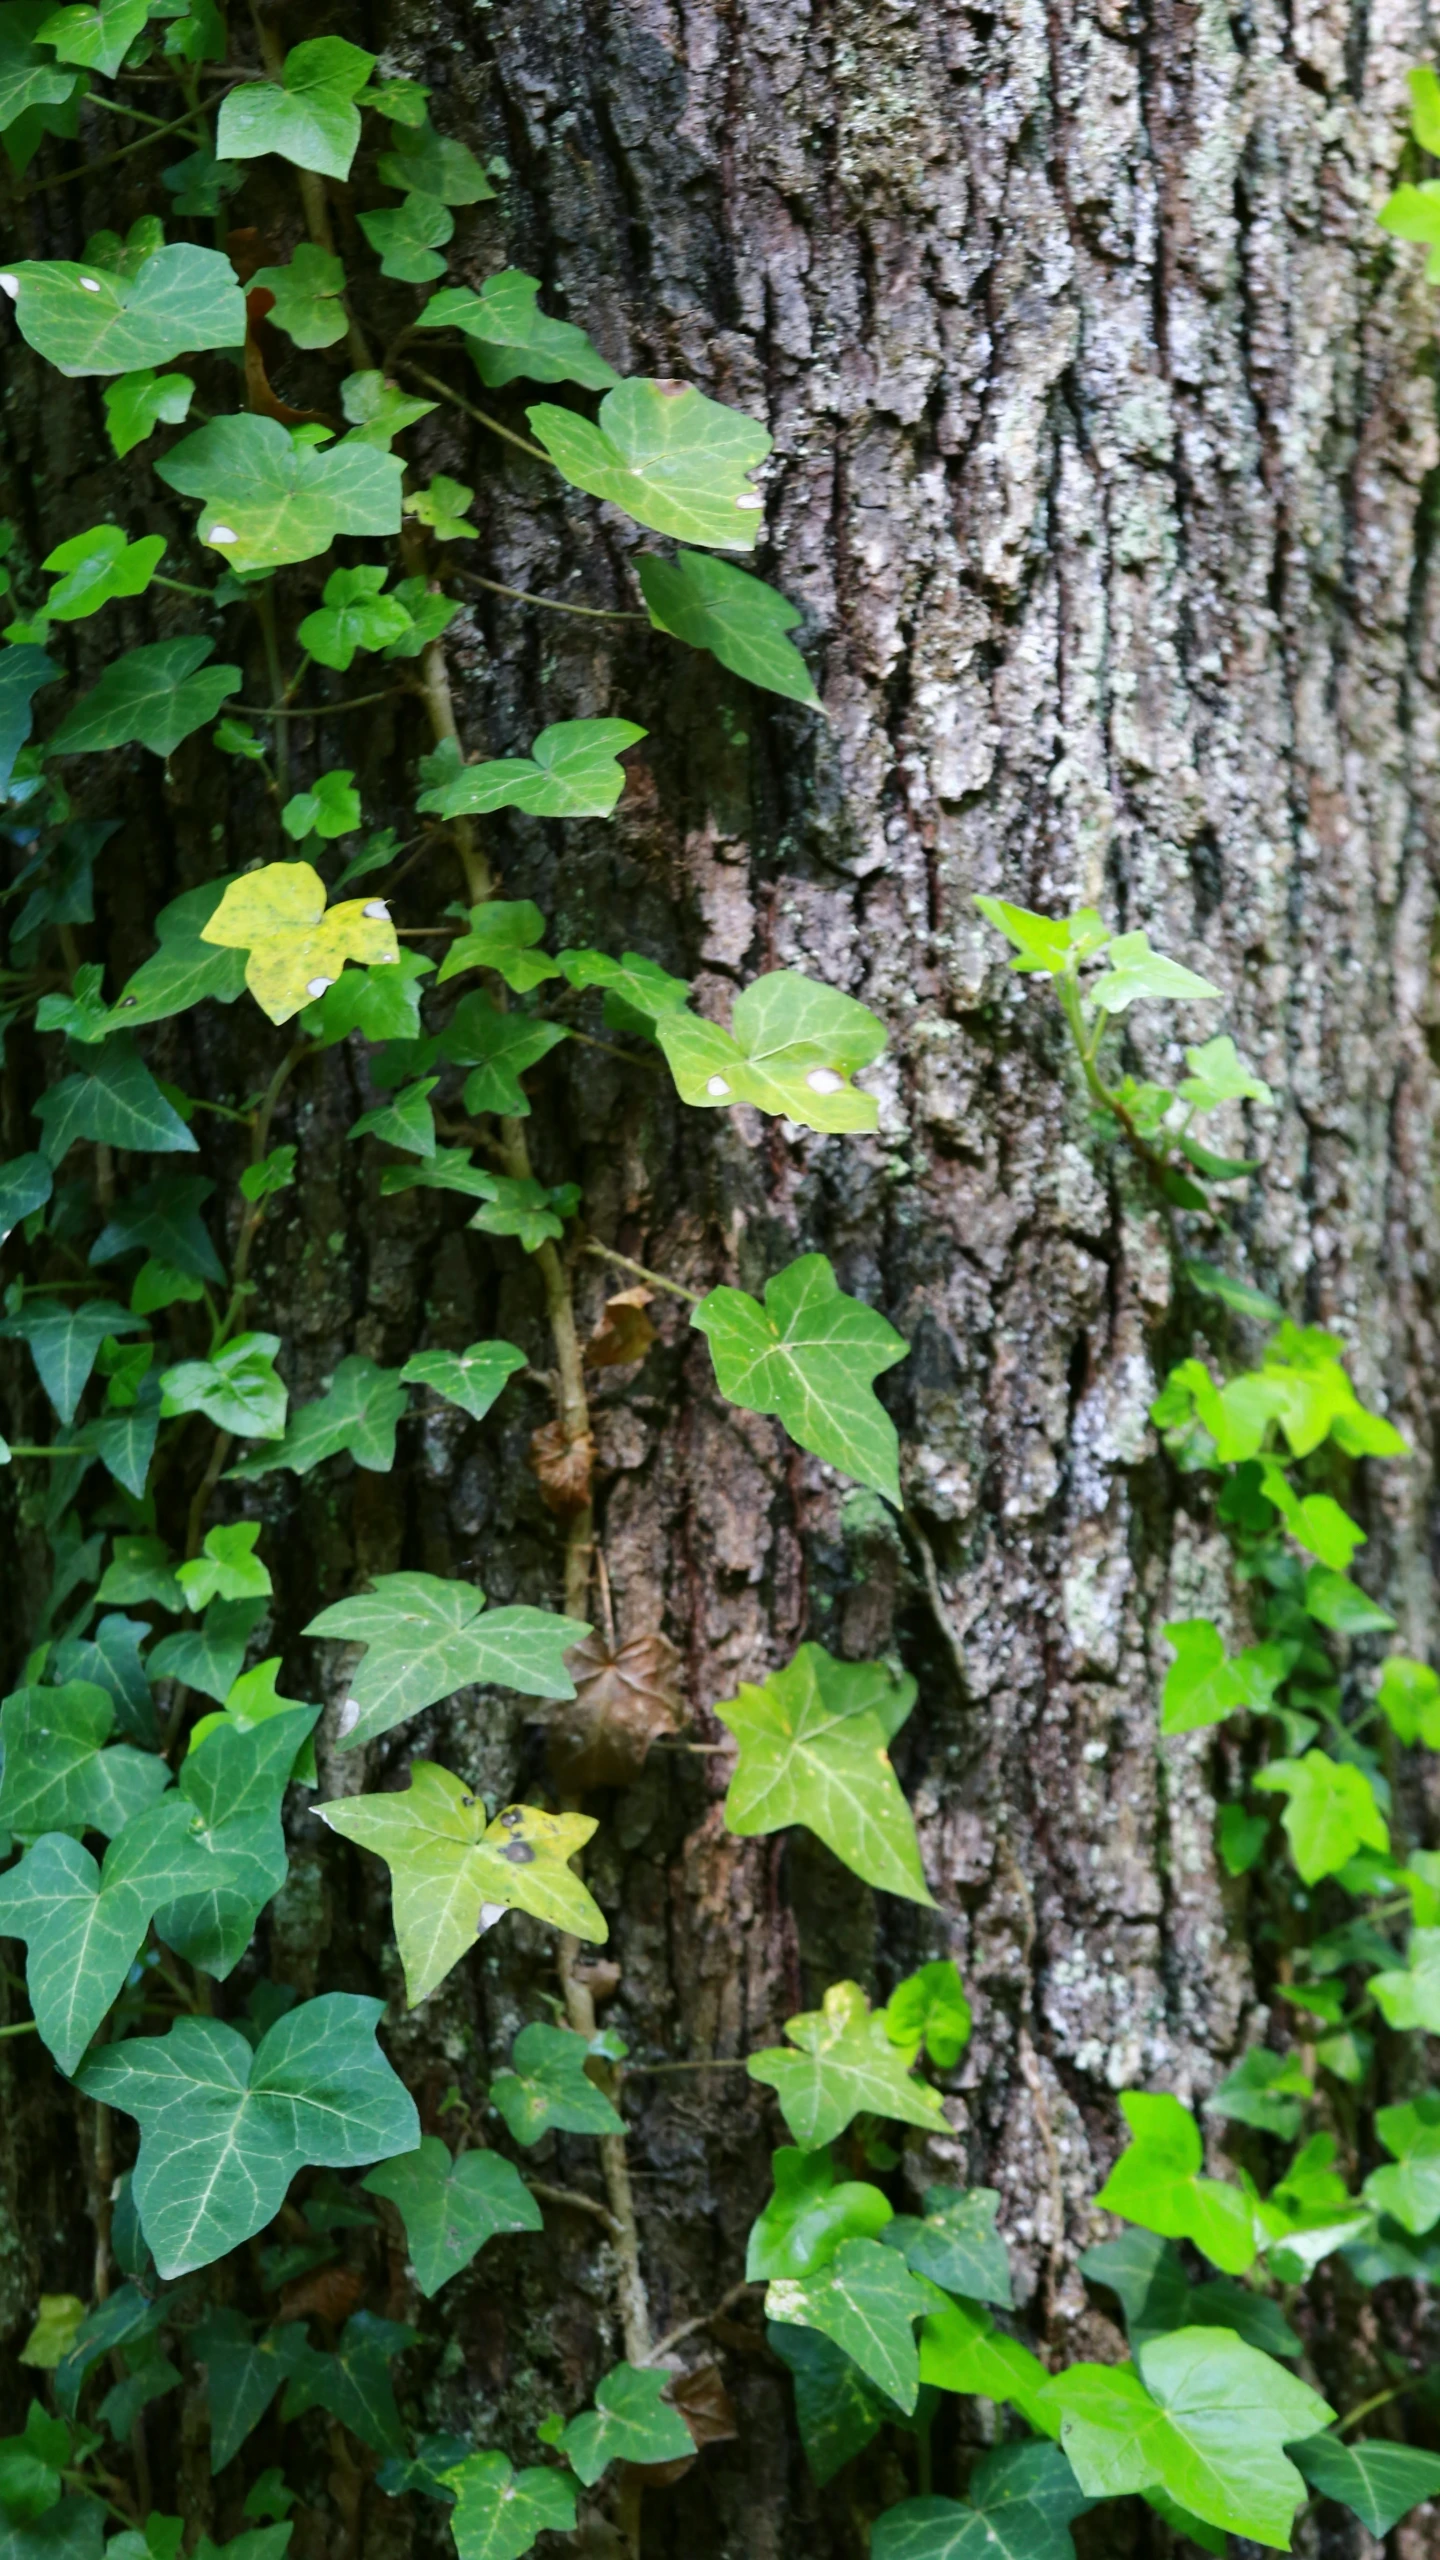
[[31, 2464], [208, 1657], [1023, 2499], [1336, 1603], [625, 1696], [359, 1412], [1136, 974], [82, 1924], [1204, 1684], [297, 948], [472, 1378], [453, 1872], [793, 1048], [137, 403], [270, 499], [253, 1698], [152, 697], [162, 1218], [24, 671], [125, 1442], [546, 2089], [1219, 1074], [407, 236], [381, 411], [307, 296], [90, 319], [353, 615], [631, 2421], [1330, 1811], [98, 38], [1046, 946], [637, 992], [712, 605], [311, 120], [185, 969], [140, 1570], [511, 336], [29, 80], [224, 2129], [956, 2244], [813, 1750], [406, 1120], [499, 2511], [238, 1390], [1409, 1699], [98, 566], [444, 506], [844, 2065], [243, 2375], [532, 1212], [115, 1101], [499, 1048], [1157, 2182], [809, 1357], [449, 1169], [836, 2409], [1204, 2418], [1267, 2090], [571, 772], [330, 808], [1411, 2190], [866, 2301], [450, 2208], [1377, 2481], [58, 1774], [110, 1659], [809, 2215], [353, 2381], [26, 1183], [227, 1567], [234, 1782], [672, 459], [382, 1003], [502, 936], [426, 1638], [63, 1343], [422, 162], [929, 2007]]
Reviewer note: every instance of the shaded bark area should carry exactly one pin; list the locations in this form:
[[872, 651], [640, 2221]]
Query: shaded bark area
[[1105, 433]]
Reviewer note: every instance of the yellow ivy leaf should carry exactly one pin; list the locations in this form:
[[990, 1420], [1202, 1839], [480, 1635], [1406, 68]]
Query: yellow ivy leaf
[[296, 947], [56, 2322]]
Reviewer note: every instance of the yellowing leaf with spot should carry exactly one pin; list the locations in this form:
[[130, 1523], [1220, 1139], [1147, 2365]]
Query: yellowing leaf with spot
[[453, 1872], [297, 947]]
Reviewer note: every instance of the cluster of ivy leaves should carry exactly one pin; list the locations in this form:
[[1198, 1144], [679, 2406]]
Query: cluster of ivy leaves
[[148, 1760]]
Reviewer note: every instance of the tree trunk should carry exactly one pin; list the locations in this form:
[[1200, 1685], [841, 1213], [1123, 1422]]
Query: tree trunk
[[1104, 442]]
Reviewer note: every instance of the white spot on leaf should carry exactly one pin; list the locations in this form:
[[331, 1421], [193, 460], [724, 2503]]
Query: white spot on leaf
[[824, 1080], [89, 285], [751, 499], [717, 1087], [223, 533], [376, 907], [490, 1912], [348, 1717], [317, 986], [10, 285]]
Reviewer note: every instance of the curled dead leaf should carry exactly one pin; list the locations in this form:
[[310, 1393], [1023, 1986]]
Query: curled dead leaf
[[563, 1466], [708, 2412], [623, 1699], [624, 1332]]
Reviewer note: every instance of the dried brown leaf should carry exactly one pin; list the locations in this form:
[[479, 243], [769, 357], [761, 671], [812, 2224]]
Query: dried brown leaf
[[563, 1466], [622, 1700], [624, 1332], [706, 2407], [328, 2293]]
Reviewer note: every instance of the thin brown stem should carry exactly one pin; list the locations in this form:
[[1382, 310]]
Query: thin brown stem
[[703, 2320], [320, 710], [107, 159], [656, 1279], [569, 2196], [634, 2305]]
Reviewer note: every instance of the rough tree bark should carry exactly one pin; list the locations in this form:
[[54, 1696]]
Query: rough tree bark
[[1105, 445]]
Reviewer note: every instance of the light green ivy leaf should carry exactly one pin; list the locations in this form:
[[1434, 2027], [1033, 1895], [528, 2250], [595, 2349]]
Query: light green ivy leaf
[[422, 162], [809, 1356], [270, 498], [93, 567], [59, 1774], [1411, 2189], [631, 2421], [672, 459], [472, 1378], [866, 2300], [238, 1390], [809, 2214], [407, 236], [532, 1212], [309, 117], [1157, 2182], [185, 969], [502, 936], [813, 1749], [425, 1638], [353, 615], [1330, 1811], [955, 2244], [1204, 1684], [358, 1412], [454, 1873], [843, 2065], [571, 772], [89, 319], [308, 296], [792, 1049], [510, 336], [98, 37], [499, 2511]]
